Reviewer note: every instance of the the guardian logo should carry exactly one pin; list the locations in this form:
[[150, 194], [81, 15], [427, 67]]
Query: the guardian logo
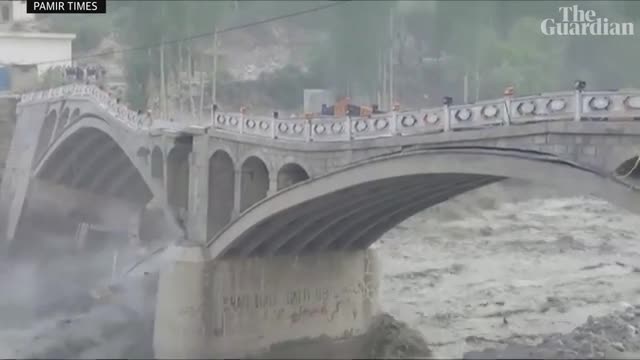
[[575, 21]]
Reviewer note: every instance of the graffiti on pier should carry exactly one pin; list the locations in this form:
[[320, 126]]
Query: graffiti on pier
[[246, 312], [261, 300]]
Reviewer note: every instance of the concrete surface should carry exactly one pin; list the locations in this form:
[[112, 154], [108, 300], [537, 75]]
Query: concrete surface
[[243, 307]]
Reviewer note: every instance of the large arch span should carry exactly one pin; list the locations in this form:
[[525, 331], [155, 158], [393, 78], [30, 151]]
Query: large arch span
[[89, 174], [353, 207]]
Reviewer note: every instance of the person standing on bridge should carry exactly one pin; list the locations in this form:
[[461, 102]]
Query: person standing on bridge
[[509, 91]]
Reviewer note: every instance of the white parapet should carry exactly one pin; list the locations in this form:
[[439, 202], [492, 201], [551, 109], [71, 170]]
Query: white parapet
[[242, 306]]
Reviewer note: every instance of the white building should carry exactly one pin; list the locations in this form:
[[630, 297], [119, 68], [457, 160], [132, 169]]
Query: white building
[[14, 11], [22, 48]]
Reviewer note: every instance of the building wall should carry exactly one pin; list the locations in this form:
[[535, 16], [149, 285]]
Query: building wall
[[29, 48], [20, 11], [7, 123], [17, 11]]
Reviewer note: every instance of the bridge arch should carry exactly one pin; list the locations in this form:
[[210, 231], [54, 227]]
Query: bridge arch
[[221, 191], [157, 164], [353, 207], [291, 174], [46, 131], [254, 176], [75, 114], [86, 175], [177, 173], [63, 121]]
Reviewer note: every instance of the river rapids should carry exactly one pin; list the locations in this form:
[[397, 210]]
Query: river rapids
[[508, 270]]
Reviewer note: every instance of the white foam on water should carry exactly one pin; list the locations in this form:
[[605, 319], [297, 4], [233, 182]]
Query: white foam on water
[[455, 272], [544, 265]]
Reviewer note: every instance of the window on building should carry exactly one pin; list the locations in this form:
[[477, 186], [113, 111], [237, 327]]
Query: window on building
[[5, 15]]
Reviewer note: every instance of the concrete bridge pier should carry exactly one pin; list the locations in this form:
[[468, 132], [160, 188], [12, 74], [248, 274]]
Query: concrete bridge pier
[[316, 305]]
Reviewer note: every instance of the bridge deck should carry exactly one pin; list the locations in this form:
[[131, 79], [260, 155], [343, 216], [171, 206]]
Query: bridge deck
[[508, 111]]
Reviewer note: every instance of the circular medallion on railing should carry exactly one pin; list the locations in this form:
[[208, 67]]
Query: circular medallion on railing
[[381, 123], [490, 111], [463, 114], [430, 118], [298, 128], [220, 119], [283, 128], [361, 125], [599, 103], [233, 121], [337, 128], [408, 120], [556, 105], [264, 125], [632, 102], [526, 108], [250, 123], [319, 129]]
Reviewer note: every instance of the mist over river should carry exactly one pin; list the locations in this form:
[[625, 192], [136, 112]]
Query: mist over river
[[505, 263]]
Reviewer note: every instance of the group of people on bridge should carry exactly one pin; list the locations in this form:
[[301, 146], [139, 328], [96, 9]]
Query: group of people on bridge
[[89, 74]]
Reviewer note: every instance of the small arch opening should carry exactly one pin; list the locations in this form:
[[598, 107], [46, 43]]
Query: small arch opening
[[178, 181], [291, 174], [255, 182], [46, 132], [221, 192], [157, 164], [63, 121]]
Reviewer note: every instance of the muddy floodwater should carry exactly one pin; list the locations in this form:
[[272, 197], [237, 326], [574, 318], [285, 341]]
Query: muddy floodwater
[[506, 263], [497, 266]]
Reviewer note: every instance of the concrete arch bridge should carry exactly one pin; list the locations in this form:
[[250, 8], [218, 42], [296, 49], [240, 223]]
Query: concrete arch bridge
[[278, 213]]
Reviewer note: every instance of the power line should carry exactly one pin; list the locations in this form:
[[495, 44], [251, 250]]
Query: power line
[[197, 36]]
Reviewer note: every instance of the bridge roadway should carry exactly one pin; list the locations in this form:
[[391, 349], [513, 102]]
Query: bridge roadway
[[278, 214]]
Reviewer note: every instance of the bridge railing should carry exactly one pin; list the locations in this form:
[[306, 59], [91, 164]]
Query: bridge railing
[[559, 106], [614, 105], [126, 116], [507, 111]]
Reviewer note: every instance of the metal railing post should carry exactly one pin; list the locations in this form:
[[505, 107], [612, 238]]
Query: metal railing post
[[447, 118], [507, 111], [273, 128], [577, 116], [394, 123]]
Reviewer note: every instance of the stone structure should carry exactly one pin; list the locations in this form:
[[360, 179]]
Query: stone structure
[[7, 123], [279, 213], [48, 50]]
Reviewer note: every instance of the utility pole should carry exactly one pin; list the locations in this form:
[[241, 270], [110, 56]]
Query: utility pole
[[391, 58], [180, 78], [163, 83], [477, 83], [163, 89], [466, 87], [201, 73], [214, 78], [384, 102]]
